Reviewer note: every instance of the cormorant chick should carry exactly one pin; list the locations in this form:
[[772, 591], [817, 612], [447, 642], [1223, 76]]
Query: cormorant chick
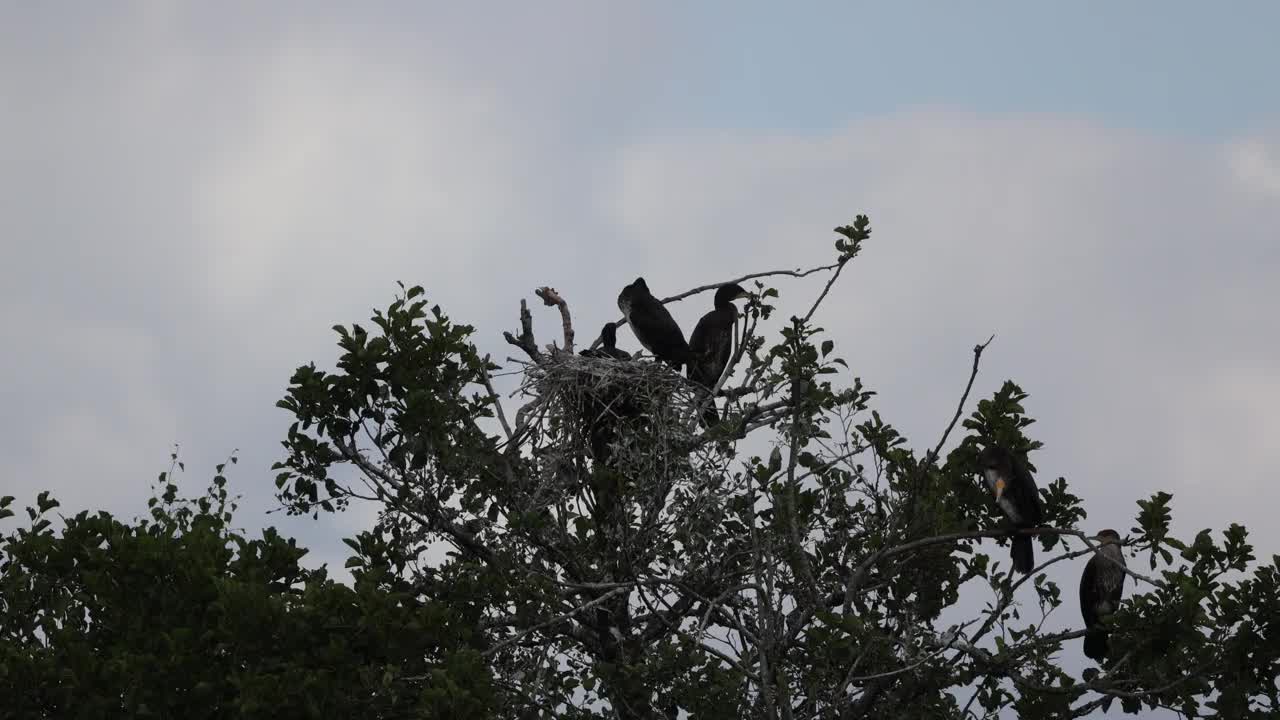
[[605, 407], [608, 345]]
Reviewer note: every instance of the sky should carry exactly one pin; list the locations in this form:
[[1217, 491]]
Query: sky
[[191, 195]]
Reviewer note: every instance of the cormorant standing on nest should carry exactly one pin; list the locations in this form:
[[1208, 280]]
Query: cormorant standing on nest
[[653, 325], [1016, 493], [603, 407], [608, 345], [1101, 586], [712, 343]]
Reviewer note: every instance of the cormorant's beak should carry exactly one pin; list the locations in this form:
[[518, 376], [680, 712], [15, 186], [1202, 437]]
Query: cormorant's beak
[[1000, 485]]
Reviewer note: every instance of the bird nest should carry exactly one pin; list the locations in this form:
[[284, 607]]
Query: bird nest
[[621, 390], [632, 418]]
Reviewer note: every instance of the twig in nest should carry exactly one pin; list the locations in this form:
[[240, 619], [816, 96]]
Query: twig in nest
[[551, 298], [645, 403], [525, 342]]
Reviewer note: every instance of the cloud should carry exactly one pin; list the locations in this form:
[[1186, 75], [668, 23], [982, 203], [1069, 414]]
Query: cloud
[[1127, 279], [191, 203]]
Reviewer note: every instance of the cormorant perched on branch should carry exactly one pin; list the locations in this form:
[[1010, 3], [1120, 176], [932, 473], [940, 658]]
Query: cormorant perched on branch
[[653, 325], [1101, 586], [712, 343], [1016, 493], [608, 345]]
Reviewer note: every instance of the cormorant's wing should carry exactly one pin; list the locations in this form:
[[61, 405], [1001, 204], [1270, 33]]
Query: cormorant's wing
[[712, 345], [654, 327], [1029, 495], [1089, 592]]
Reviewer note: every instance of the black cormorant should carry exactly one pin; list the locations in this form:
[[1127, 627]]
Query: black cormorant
[[653, 325], [712, 343], [1016, 493], [1101, 586], [608, 345], [603, 407]]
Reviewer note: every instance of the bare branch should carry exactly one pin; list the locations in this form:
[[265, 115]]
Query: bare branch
[[935, 453], [434, 520], [823, 295], [497, 402], [525, 342], [954, 635], [797, 273], [977, 357], [977, 534], [551, 298], [558, 618]]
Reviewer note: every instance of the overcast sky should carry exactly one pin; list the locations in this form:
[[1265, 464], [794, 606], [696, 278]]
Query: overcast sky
[[190, 196]]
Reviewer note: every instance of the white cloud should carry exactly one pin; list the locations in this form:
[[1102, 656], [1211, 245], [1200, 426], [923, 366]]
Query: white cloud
[[1256, 165]]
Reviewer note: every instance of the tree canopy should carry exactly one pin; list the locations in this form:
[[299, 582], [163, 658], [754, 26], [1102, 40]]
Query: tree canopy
[[177, 615], [590, 546]]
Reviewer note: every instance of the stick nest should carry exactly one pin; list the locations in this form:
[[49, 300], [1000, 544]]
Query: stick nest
[[634, 418]]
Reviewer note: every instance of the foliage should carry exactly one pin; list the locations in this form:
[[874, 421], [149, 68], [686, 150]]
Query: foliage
[[177, 615], [807, 582]]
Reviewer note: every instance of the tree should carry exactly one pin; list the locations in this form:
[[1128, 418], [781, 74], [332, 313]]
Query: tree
[[806, 581], [176, 615]]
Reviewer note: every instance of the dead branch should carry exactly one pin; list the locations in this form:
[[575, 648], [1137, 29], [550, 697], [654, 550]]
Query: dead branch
[[525, 342], [551, 298]]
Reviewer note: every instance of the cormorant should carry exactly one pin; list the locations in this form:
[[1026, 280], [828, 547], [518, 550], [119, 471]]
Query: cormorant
[[1016, 493], [608, 345], [653, 325], [604, 407], [1101, 586], [712, 343]]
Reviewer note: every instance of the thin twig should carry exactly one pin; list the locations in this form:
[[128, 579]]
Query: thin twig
[[973, 373], [497, 402], [826, 289], [932, 456], [559, 618], [797, 273], [955, 635]]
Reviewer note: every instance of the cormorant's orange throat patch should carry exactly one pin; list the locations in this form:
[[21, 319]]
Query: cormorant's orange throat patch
[[999, 487]]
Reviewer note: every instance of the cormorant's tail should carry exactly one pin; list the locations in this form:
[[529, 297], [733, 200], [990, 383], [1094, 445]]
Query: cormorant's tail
[[1095, 644], [1023, 554]]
